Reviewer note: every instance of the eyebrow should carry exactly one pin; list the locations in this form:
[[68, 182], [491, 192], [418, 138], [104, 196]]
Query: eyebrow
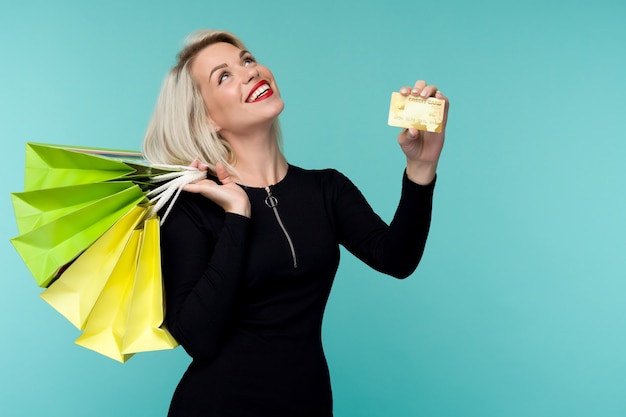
[[241, 55]]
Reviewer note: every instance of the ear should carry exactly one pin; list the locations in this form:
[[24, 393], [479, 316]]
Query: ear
[[215, 125]]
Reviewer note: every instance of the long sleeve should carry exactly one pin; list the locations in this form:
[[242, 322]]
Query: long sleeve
[[203, 258], [394, 249]]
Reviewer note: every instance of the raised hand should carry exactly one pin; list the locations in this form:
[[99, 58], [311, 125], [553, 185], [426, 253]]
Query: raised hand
[[423, 149]]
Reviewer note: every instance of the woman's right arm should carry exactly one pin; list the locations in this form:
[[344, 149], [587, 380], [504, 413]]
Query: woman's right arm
[[204, 247], [202, 271]]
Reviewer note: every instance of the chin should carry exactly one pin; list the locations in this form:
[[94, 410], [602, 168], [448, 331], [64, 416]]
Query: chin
[[276, 107]]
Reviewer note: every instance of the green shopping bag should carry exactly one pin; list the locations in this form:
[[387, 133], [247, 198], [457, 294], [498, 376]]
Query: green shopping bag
[[49, 166], [49, 247], [33, 209]]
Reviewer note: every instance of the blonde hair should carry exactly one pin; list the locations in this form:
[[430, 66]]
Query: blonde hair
[[180, 130]]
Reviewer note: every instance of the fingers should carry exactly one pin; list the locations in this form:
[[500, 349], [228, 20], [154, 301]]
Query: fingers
[[222, 174], [198, 187], [196, 163], [412, 133], [421, 89], [405, 91], [220, 171]]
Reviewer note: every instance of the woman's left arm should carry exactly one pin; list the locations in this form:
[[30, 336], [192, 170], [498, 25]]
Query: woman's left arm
[[397, 248], [394, 249], [423, 149]]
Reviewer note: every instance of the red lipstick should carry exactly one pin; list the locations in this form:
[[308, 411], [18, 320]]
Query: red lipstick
[[260, 91]]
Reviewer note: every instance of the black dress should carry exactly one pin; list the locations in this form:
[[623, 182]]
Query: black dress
[[245, 297]]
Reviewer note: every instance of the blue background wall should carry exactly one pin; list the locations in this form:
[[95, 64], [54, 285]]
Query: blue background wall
[[519, 305]]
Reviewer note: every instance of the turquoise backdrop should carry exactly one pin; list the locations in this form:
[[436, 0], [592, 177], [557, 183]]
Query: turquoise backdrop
[[519, 305]]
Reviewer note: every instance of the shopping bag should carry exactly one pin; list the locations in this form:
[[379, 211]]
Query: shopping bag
[[81, 220], [76, 291], [128, 316], [54, 241], [49, 166], [144, 329], [36, 208], [57, 222], [105, 328]]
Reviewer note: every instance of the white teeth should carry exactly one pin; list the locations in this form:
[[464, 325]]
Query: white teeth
[[258, 92]]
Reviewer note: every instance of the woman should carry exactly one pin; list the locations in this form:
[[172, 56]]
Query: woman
[[250, 253]]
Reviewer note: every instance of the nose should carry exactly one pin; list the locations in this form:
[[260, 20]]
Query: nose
[[250, 74]]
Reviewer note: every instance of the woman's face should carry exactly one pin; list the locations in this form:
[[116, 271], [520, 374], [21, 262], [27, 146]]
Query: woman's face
[[240, 95]]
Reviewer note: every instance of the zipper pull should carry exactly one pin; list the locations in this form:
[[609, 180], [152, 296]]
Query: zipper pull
[[270, 200]]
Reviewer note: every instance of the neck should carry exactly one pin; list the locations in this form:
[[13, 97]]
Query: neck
[[259, 161]]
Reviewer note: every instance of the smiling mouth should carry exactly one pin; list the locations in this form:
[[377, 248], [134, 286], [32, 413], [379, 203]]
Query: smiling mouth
[[260, 91]]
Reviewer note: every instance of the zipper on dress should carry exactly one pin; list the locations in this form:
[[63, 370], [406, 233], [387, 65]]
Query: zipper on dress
[[272, 202]]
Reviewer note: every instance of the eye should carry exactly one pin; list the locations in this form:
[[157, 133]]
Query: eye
[[248, 60], [223, 77]]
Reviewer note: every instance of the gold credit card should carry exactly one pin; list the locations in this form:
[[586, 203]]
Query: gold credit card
[[416, 112]]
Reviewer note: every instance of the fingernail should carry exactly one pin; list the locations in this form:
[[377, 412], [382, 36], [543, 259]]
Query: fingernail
[[439, 93], [415, 91], [424, 94], [412, 133], [404, 90]]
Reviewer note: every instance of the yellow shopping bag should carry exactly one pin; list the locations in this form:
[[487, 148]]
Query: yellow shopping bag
[[128, 316], [144, 329], [79, 286], [105, 328]]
